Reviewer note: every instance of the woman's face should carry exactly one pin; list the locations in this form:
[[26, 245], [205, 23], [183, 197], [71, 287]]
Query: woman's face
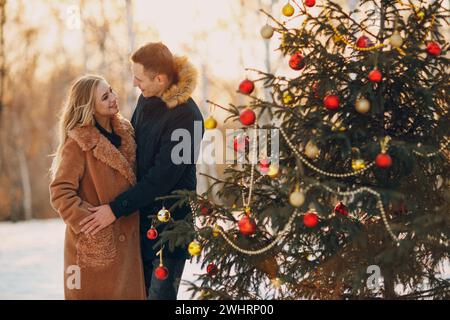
[[106, 104]]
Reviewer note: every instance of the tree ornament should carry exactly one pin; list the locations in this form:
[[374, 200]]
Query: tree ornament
[[331, 102], [363, 42], [161, 273], [241, 143], [311, 150], [266, 31], [211, 269], [247, 117], [358, 164], [246, 86], [288, 98], [296, 198], [163, 215], [433, 48], [341, 209], [215, 231], [310, 219], [420, 15], [195, 248], [310, 3], [288, 10], [383, 160], [296, 61], [210, 123], [206, 209], [247, 226], [273, 171], [264, 165], [152, 233], [375, 75], [362, 105], [396, 40]]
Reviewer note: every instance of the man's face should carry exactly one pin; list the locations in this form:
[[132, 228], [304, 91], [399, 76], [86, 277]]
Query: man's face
[[150, 86]]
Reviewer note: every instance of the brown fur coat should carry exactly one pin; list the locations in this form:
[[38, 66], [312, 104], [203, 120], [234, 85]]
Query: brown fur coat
[[93, 172]]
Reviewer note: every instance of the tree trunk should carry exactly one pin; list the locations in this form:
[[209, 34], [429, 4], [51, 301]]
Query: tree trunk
[[131, 97], [2, 55], [26, 184]]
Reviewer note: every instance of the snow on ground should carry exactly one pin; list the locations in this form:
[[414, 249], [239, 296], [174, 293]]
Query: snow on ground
[[31, 261]]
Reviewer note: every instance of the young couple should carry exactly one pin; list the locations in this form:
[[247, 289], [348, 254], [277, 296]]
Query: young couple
[[106, 174]]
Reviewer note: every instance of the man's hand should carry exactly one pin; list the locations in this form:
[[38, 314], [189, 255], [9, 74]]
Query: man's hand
[[100, 218]]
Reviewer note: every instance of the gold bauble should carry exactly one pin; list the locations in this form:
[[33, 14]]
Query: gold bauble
[[296, 198], [274, 170], [288, 98], [195, 248], [396, 40], [163, 215], [210, 123], [311, 150], [215, 231], [362, 105], [266, 32], [358, 164], [288, 10], [420, 15]]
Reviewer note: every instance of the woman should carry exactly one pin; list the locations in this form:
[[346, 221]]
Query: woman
[[94, 163]]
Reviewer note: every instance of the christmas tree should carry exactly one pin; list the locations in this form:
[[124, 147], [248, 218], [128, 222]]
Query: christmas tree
[[362, 180]]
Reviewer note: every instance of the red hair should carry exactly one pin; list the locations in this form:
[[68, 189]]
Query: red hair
[[156, 59]]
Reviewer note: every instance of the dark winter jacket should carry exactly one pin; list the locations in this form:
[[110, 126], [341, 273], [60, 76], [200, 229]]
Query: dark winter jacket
[[154, 121]]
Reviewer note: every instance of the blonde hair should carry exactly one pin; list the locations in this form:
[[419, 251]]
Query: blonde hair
[[77, 112]]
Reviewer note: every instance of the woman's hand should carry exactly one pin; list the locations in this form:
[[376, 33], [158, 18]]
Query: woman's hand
[[100, 218]]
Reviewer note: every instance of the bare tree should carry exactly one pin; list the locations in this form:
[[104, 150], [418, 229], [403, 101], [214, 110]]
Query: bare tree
[[2, 53]]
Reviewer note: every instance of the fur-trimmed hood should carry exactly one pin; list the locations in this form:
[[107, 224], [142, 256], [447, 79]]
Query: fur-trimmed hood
[[181, 91], [123, 159]]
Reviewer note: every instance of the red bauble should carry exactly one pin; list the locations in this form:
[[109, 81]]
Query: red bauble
[[246, 86], [296, 61], [375, 75], [241, 143], [310, 219], [383, 160], [247, 117], [310, 3], [341, 208], [264, 165], [205, 209], [331, 102], [161, 273], [433, 48], [152, 233], [211, 269], [363, 42], [247, 226]]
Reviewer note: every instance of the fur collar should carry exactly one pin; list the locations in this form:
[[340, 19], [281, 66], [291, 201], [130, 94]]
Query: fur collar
[[123, 159], [181, 91]]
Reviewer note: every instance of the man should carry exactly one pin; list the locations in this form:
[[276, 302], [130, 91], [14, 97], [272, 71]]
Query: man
[[165, 105]]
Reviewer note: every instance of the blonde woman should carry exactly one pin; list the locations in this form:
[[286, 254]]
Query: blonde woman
[[94, 163]]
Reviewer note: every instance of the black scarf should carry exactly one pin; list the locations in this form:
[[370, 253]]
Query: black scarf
[[115, 139]]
